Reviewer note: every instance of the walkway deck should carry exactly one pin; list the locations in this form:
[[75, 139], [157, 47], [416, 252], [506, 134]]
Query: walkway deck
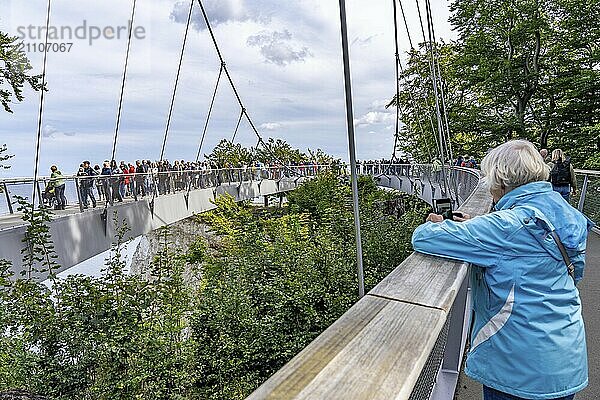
[[80, 236], [590, 294]]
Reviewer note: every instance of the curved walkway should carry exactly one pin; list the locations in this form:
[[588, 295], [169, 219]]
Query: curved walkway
[[589, 288]]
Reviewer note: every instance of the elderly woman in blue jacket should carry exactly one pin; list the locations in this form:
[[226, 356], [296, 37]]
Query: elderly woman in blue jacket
[[528, 336]]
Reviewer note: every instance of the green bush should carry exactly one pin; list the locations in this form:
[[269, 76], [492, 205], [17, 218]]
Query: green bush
[[267, 287], [273, 284]]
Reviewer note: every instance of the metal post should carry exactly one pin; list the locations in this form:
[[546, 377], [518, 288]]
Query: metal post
[[39, 192], [583, 193], [78, 190], [10, 206], [351, 145]]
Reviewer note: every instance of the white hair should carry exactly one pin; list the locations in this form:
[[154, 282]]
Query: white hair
[[513, 164]]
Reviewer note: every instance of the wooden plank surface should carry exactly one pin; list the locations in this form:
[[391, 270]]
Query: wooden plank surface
[[363, 355], [426, 280]]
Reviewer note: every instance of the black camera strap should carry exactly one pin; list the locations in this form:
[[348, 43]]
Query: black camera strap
[[565, 256]]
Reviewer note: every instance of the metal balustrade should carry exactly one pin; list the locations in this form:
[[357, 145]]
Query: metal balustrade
[[133, 185], [587, 199], [457, 183]]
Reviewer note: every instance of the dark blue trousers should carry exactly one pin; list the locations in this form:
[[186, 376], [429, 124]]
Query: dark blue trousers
[[493, 394]]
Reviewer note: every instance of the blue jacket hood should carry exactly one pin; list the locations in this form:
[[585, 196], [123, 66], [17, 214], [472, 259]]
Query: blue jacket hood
[[571, 226]]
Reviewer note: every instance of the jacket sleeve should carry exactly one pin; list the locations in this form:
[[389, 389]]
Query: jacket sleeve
[[573, 178], [579, 264], [479, 241]]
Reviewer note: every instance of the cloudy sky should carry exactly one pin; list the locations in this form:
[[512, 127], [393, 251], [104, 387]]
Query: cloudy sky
[[284, 56]]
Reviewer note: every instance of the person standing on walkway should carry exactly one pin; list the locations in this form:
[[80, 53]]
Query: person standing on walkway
[[140, 184], [544, 154], [436, 168], [106, 183], [58, 183], [115, 181], [527, 338], [562, 175], [87, 185]]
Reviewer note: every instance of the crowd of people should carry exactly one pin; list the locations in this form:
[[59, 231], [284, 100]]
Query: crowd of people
[[114, 182]]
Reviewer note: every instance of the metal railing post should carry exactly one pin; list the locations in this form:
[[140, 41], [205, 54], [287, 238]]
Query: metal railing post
[[351, 147], [8, 202], [39, 192], [78, 190], [583, 193]]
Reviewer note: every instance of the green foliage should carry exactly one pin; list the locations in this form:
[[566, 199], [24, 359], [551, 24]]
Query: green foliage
[[227, 153], [4, 157], [14, 72], [279, 150], [38, 254], [119, 336], [230, 154], [267, 287], [273, 284]]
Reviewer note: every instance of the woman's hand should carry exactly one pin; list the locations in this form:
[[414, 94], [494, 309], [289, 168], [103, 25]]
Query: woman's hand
[[461, 219], [438, 218], [434, 218]]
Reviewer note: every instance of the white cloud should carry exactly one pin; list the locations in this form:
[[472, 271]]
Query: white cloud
[[374, 117], [270, 126], [49, 131], [276, 47], [218, 12]]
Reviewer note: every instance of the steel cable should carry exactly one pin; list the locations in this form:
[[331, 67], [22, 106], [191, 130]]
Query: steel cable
[[410, 94], [238, 125], [120, 107], [208, 115], [185, 36], [233, 87], [38, 142]]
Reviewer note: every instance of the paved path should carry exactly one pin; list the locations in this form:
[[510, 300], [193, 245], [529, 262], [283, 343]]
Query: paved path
[[589, 289]]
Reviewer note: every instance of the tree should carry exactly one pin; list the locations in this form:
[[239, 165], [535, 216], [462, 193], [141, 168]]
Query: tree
[[231, 154], [519, 69], [278, 150], [4, 157], [14, 71]]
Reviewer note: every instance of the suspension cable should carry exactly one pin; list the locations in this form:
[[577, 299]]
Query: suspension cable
[[185, 36], [218, 50], [405, 23], [168, 125], [439, 145], [212, 103], [439, 80], [233, 87], [208, 115], [399, 65], [397, 83], [38, 141], [441, 83], [238, 125], [436, 94], [120, 108]]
